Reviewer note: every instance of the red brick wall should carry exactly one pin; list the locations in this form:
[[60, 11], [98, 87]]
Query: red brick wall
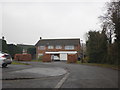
[[23, 57], [46, 58], [77, 48], [72, 58]]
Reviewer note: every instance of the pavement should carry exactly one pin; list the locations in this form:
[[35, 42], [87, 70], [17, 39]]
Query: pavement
[[58, 75]]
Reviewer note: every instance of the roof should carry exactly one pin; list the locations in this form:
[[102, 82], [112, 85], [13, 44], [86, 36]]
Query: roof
[[25, 46], [58, 42]]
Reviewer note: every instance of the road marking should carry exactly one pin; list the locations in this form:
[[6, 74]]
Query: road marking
[[62, 81]]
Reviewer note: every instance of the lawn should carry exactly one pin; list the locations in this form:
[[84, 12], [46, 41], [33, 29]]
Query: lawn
[[19, 63], [101, 65], [36, 60]]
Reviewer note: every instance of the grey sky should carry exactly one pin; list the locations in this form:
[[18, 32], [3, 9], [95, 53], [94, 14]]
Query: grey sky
[[24, 22]]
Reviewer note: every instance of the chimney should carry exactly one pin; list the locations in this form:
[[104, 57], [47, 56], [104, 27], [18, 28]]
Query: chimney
[[40, 38], [3, 37]]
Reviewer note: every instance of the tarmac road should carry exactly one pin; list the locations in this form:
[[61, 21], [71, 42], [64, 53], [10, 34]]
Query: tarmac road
[[58, 75]]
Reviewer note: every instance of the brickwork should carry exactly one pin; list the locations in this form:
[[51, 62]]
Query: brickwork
[[46, 58], [23, 57], [72, 58], [77, 48]]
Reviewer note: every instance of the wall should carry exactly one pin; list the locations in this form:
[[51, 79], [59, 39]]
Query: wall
[[46, 58], [77, 48], [72, 58], [23, 57]]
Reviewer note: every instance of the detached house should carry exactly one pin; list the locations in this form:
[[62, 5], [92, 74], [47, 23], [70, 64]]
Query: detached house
[[58, 49]]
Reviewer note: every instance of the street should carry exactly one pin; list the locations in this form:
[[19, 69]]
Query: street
[[58, 75]]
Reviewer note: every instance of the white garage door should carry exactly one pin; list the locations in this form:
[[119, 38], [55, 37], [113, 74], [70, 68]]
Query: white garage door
[[63, 56]]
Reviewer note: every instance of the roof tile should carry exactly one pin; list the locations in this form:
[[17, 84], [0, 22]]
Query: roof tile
[[58, 42]]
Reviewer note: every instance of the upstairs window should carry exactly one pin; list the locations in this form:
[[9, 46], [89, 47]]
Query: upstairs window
[[58, 47], [41, 47], [50, 47], [69, 47]]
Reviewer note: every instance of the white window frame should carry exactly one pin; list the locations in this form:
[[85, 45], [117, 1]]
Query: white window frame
[[69, 47], [41, 47], [58, 47], [50, 47]]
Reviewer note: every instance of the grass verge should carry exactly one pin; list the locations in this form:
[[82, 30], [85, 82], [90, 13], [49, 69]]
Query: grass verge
[[19, 63], [116, 67], [36, 60]]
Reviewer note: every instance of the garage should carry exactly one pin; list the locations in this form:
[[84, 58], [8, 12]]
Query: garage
[[62, 55]]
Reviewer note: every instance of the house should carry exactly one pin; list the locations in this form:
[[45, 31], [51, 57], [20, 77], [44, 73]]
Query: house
[[25, 47], [54, 49], [28, 49]]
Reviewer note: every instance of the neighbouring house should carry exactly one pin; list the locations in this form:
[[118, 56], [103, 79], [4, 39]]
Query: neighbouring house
[[28, 49], [24, 56], [25, 47], [58, 49]]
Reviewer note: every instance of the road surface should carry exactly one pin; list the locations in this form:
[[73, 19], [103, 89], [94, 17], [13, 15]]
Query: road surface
[[58, 75]]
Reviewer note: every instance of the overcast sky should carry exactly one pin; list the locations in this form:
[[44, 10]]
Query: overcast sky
[[24, 22]]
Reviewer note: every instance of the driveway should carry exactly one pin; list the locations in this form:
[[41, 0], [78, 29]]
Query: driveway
[[58, 75]]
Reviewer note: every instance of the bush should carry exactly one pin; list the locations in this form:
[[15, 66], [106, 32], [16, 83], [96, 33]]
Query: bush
[[40, 58], [86, 60]]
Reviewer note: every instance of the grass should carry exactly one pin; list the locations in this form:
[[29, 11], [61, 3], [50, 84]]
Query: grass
[[19, 63], [36, 60], [78, 62], [22, 63], [101, 65]]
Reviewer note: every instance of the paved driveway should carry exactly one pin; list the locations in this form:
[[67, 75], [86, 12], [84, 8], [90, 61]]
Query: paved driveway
[[58, 75]]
